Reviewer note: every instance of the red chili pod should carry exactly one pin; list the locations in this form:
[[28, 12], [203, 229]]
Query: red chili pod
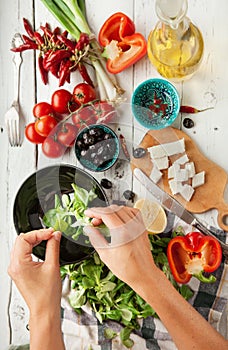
[[84, 74], [22, 48], [28, 28], [56, 57], [192, 110], [64, 71], [67, 42], [39, 39], [31, 42], [43, 72]]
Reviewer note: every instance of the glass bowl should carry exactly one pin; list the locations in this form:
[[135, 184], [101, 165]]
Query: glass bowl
[[155, 103], [97, 147]]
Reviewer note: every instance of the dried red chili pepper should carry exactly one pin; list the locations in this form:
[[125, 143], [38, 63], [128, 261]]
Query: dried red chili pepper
[[43, 72], [46, 31], [31, 42], [84, 74], [82, 42], [23, 47], [64, 71], [192, 110], [28, 28], [39, 39], [67, 42], [54, 69], [56, 57], [124, 147]]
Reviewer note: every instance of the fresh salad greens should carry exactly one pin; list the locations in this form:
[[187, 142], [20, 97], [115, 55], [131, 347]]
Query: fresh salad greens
[[110, 298], [68, 213]]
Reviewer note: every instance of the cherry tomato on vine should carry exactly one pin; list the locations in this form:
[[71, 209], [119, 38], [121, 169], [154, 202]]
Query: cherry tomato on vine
[[104, 112], [61, 101], [45, 125], [52, 149], [84, 93], [42, 108], [67, 134], [84, 116], [32, 135]]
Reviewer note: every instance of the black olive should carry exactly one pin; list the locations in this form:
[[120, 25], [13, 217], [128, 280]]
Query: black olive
[[85, 135], [139, 152], [107, 136], [106, 183], [80, 144], [83, 153], [188, 123], [128, 194]]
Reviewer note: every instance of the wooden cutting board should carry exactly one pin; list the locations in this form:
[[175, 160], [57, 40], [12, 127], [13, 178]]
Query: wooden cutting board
[[206, 197]]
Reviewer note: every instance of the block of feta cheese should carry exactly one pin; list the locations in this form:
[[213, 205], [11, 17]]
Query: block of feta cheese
[[187, 192], [182, 160], [156, 174], [175, 186], [190, 167], [157, 151], [161, 163], [174, 147], [173, 169], [198, 179], [181, 175]]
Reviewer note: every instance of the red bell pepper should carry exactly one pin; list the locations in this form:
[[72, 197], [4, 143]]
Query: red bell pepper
[[122, 46], [193, 254]]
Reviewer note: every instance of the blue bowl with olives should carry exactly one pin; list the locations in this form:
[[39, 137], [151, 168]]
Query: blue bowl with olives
[[155, 103], [97, 147]]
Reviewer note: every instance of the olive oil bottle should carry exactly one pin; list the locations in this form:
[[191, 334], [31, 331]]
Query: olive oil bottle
[[175, 45]]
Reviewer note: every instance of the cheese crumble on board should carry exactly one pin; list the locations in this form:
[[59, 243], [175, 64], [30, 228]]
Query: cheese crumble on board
[[182, 175]]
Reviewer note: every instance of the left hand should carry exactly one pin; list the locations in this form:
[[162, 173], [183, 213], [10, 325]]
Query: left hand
[[38, 282]]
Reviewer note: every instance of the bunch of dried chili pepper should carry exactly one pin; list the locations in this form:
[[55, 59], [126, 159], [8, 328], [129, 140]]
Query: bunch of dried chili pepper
[[58, 54]]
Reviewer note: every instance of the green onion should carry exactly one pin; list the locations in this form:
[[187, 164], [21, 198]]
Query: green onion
[[71, 14]]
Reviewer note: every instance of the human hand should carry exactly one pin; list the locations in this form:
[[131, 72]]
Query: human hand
[[128, 255], [38, 282]]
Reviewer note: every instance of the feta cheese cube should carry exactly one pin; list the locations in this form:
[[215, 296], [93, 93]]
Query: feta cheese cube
[[198, 179], [190, 167], [175, 147], [175, 186], [173, 169], [181, 175], [161, 163], [182, 160], [156, 174], [187, 192], [157, 151]]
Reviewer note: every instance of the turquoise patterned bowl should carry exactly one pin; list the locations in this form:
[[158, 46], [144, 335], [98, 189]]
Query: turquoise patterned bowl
[[155, 103]]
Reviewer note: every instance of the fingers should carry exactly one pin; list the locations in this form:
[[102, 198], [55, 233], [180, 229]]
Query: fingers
[[25, 242], [96, 238], [52, 249], [109, 215]]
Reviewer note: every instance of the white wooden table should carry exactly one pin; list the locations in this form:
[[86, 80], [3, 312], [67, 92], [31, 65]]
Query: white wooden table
[[207, 88]]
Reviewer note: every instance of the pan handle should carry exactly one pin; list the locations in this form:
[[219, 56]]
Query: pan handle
[[222, 208]]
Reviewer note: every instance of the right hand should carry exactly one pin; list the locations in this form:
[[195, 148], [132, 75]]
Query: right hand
[[128, 255]]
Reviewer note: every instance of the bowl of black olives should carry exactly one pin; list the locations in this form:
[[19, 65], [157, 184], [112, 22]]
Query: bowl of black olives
[[97, 147]]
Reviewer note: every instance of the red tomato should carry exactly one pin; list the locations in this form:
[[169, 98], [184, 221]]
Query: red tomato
[[45, 125], [32, 135], [84, 116], [61, 100], [84, 93], [52, 149], [104, 112], [67, 134], [41, 109]]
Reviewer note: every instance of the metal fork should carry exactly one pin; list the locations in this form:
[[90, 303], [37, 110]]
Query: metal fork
[[12, 116]]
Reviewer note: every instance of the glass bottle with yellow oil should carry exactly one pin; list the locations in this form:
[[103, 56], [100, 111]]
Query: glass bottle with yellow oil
[[175, 45]]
